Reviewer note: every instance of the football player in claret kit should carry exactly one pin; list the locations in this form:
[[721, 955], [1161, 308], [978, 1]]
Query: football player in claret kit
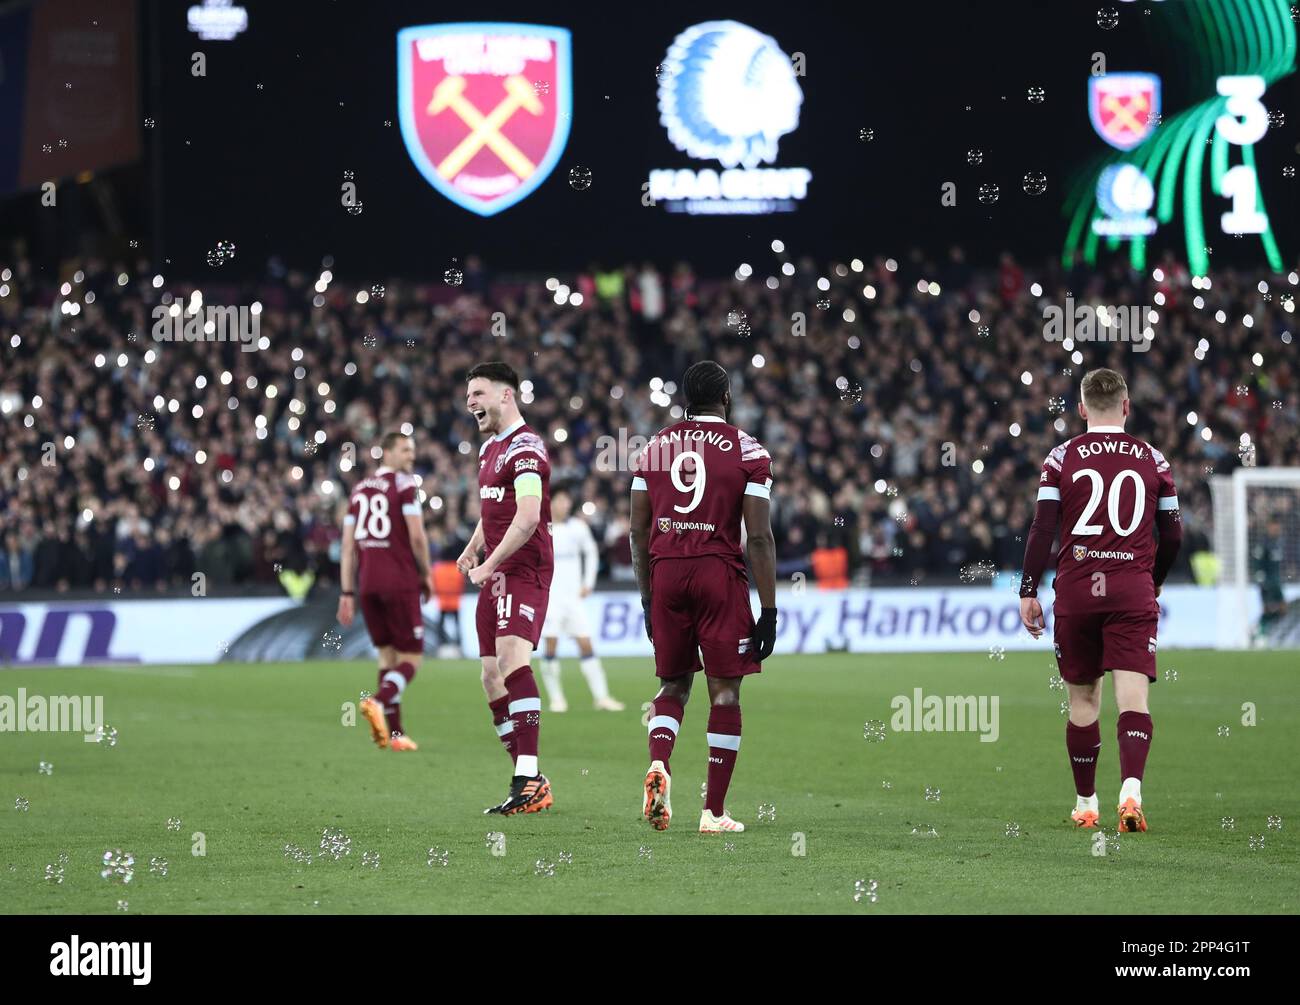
[[514, 575], [1107, 491], [692, 486], [576, 558], [383, 533]]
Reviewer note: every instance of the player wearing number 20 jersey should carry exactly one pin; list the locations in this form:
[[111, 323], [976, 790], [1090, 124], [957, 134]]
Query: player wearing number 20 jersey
[[1109, 493], [1110, 489]]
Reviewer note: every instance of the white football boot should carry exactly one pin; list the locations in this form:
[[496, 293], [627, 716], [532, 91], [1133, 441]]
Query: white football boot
[[709, 824]]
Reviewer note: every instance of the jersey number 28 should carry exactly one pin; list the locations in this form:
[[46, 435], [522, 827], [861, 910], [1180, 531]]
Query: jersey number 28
[[373, 520]]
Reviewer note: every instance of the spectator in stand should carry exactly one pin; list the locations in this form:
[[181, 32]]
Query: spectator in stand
[[132, 464]]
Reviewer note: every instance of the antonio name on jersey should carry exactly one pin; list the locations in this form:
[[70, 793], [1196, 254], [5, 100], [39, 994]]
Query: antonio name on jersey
[[662, 449]]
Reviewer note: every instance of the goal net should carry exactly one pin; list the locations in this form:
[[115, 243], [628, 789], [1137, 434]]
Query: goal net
[[1257, 543]]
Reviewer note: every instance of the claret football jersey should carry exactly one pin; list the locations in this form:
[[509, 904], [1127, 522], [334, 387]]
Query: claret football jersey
[[698, 473], [506, 462], [377, 512], [1110, 485]]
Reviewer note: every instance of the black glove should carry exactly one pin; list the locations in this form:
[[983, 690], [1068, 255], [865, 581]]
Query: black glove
[[765, 634], [645, 609]]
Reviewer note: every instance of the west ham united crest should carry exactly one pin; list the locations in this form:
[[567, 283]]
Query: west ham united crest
[[1080, 552], [665, 524], [485, 108], [1124, 107]]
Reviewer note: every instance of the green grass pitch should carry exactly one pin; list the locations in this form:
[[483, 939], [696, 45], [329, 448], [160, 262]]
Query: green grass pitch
[[256, 757]]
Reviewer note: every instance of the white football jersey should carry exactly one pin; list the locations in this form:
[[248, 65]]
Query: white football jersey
[[576, 557]]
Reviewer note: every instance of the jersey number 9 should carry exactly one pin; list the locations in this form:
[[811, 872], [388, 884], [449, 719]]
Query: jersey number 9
[[696, 487]]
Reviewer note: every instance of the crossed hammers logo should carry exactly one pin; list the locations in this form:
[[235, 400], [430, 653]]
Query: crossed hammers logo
[[485, 130], [1122, 111]]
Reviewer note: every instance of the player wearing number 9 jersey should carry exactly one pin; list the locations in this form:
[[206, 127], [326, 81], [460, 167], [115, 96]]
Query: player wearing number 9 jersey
[[383, 532], [691, 488], [1110, 493]]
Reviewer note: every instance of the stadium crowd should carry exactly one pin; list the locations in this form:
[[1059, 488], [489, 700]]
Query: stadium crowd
[[907, 405]]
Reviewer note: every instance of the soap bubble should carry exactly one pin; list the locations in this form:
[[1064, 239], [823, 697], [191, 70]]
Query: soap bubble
[[580, 179], [865, 889], [119, 866]]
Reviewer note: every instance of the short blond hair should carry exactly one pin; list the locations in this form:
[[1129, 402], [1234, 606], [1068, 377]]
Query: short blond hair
[[1103, 390]]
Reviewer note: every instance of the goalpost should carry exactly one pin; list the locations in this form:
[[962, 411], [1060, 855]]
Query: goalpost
[[1257, 543]]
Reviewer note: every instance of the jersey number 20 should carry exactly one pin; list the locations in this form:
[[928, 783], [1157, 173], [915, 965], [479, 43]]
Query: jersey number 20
[[1085, 529]]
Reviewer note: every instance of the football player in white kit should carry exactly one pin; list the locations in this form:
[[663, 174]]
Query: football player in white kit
[[576, 559]]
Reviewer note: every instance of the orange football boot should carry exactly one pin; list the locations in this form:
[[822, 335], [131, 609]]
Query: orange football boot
[[1131, 818], [528, 795], [657, 807], [1084, 819], [400, 742], [374, 713]]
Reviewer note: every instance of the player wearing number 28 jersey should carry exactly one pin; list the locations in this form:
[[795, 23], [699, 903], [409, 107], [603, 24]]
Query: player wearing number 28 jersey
[[1110, 494], [383, 533], [692, 486]]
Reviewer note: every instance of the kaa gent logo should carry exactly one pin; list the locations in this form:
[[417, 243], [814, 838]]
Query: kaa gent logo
[[728, 93], [484, 108]]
